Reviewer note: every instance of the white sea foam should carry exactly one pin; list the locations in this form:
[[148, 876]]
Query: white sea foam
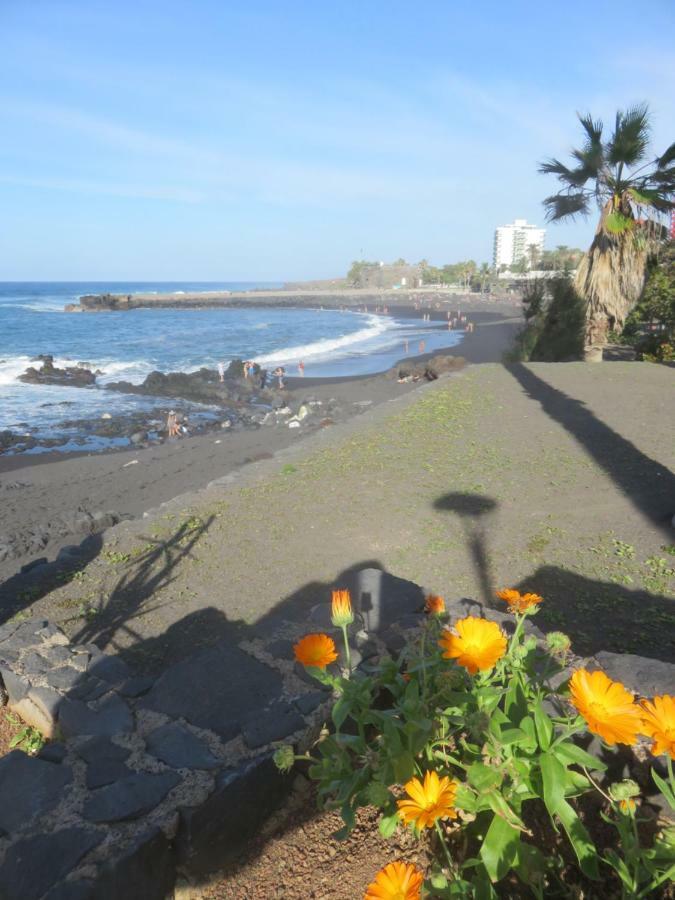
[[326, 347]]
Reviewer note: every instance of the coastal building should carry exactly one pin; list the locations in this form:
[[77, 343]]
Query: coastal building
[[512, 243]]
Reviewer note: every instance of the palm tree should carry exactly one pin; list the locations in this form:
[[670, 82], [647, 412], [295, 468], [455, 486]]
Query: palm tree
[[625, 185], [533, 255], [484, 275]]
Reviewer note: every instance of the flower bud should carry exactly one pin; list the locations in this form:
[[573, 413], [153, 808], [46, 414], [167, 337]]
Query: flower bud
[[341, 609], [284, 758]]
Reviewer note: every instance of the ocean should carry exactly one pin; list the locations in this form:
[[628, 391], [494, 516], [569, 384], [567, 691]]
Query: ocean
[[129, 345]]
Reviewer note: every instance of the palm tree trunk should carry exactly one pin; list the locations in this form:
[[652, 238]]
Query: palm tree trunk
[[610, 280]]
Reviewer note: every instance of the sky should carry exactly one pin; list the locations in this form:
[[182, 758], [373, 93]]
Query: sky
[[217, 141]]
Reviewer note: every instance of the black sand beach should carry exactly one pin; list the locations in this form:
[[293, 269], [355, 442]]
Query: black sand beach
[[55, 500]]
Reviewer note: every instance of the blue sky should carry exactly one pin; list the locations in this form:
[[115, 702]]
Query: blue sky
[[214, 140]]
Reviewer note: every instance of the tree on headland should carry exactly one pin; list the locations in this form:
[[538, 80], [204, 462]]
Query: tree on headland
[[617, 175]]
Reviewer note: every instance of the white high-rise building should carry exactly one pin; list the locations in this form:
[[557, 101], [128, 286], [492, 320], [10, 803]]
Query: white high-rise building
[[512, 242]]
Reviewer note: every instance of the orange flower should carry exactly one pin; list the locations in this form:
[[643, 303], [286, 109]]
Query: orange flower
[[475, 643], [607, 706], [433, 605], [397, 881], [315, 650], [658, 722], [517, 602], [435, 799], [341, 609]]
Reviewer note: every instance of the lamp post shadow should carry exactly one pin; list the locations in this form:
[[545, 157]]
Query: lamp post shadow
[[474, 512]]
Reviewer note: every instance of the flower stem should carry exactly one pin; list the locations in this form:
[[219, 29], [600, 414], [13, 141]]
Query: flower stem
[[348, 655], [445, 846]]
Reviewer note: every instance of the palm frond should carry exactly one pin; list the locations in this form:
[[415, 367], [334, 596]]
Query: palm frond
[[630, 139], [650, 197], [593, 129], [590, 162], [565, 206], [668, 157], [572, 177]]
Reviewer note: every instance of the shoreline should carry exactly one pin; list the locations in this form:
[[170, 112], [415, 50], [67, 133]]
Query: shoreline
[[48, 497]]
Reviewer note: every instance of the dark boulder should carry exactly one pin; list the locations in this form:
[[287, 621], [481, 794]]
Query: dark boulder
[[71, 376]]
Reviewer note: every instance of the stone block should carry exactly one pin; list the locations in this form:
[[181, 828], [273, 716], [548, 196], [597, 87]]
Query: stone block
[[16, 686], [178, 747], [209, 834], [238, 682], [29, 787], [109, 668], [58, 655], [129, 797], [53, 752], [97, 748], [48, 703], [35, 864], [105, 771], [136, 686], [308, 702], [112, 716], [273, 723], [143, 871], [65, 678], [647, 677]]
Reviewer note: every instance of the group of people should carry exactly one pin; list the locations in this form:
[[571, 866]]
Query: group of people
[[175, 427]]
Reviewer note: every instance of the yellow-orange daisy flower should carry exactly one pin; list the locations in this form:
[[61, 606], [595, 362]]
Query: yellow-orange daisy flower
[[658, 722], [315, 650], [396, 881], [341, 609], [475, 643], [429, 801], [434, 605], [517, 602], [609, 709]]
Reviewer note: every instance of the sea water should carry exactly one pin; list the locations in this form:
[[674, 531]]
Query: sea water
[[129, 345]]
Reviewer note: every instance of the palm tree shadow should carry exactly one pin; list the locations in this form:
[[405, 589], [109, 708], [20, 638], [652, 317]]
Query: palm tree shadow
[[648, 484], [142, 577]]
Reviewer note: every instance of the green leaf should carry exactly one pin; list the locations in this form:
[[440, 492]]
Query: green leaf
[[499, 851], [665, 789], [388, 824], [465, 799], [404, 766], [499, 806], [544, 726], [512, 736], [554, 777], [483, 777], [580, 840], [438, 881], [571, 753], [527, 726], [531, 865]]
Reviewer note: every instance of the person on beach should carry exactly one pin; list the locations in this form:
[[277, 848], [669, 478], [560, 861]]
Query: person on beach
[[422, 346], [247, 366], [221, 372], [172, 427], [301, 368], [279, 373]]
